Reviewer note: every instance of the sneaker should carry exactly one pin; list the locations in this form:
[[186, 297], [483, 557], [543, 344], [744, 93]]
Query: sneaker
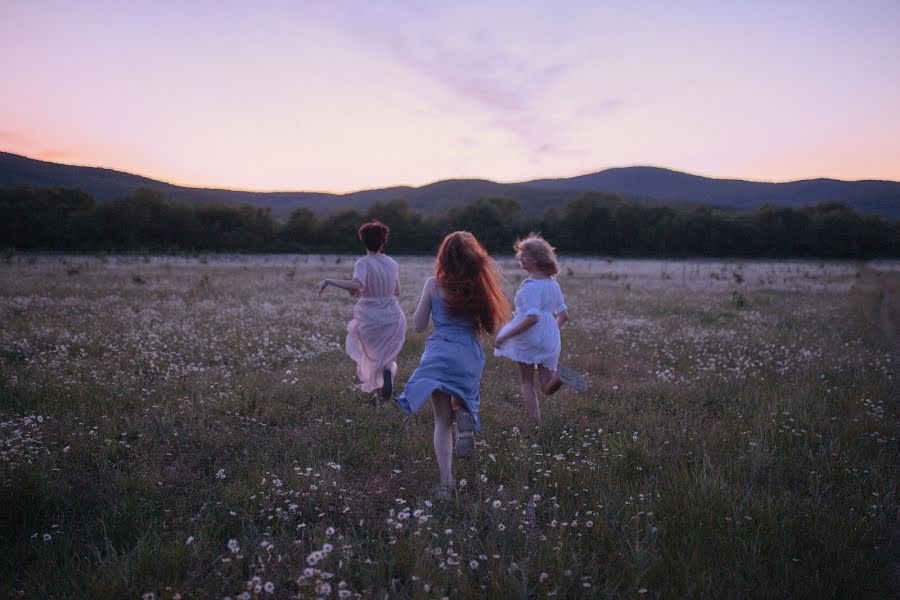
[[387, 390], [572, 378], [465, 435]]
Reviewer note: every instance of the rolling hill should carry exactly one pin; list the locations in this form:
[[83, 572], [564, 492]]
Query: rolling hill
[[646, 184], [868, 196]]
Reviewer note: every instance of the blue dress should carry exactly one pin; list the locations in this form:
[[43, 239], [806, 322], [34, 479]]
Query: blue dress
[[452, 362]]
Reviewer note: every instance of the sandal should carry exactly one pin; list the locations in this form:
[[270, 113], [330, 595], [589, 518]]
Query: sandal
[[571, 378], [465, 435]]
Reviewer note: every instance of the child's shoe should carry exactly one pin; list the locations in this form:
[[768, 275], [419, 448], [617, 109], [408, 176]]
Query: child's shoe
[[571, 378], [465, 435], [387, 390], [443, 491]]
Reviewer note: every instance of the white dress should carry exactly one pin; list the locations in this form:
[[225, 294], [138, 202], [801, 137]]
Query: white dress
[[375, 335], [540, 344]]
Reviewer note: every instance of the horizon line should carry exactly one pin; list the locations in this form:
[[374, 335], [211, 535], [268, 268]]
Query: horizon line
[[406, 185]]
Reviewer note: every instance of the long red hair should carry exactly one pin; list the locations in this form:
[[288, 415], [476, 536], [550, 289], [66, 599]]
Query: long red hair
[[471, 282]]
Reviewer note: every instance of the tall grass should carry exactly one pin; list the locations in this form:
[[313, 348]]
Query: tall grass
[[197, 434]]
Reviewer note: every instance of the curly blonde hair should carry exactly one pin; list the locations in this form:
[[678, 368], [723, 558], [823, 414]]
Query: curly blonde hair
[[541, 251]]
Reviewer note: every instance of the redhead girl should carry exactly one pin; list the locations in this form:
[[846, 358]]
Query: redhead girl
[[465, 301], [532, 339]]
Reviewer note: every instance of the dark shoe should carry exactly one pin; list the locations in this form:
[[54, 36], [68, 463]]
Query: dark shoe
[[465, 435], [572, 378], [387, 390]]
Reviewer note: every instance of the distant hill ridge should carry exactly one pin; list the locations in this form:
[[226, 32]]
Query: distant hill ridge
[[648, 184], [668, 185]]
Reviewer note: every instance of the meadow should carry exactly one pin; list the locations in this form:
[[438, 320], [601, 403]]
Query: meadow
[[188, 427]]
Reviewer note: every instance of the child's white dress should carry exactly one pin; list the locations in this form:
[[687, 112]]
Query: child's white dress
[[540, 344], [375, 335]]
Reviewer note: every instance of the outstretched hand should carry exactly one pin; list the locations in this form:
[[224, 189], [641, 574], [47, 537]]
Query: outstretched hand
[[320, 287]]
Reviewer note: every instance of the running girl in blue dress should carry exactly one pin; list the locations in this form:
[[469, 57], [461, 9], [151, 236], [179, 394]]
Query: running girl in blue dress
[[466, 302]]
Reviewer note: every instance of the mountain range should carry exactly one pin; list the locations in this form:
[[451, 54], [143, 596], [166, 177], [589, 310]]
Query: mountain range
[[641, 184]]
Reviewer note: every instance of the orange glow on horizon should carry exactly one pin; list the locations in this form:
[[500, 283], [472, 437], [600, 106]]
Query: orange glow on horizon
[[315, 97]]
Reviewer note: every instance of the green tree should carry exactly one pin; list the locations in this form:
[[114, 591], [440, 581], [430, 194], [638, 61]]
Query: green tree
[[494, 221], [300, 230]]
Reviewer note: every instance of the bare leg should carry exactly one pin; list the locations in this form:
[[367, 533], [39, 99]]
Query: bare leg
[[443, 435], [550, 381], [526, 372]]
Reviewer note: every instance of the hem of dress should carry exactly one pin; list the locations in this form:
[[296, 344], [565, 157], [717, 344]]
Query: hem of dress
[[526, 360], [434, 384]]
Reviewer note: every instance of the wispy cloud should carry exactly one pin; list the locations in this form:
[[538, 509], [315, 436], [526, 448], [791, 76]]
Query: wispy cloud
[[492, 71], [19, 142], [12, 138], [57, 155]]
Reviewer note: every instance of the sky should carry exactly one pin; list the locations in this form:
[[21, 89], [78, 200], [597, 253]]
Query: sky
[[341, 96]]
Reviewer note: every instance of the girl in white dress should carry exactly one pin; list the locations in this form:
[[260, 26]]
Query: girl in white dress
[[376, 334], [532, 337]]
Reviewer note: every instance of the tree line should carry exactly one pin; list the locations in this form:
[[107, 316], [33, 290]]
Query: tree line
[[63, 219]]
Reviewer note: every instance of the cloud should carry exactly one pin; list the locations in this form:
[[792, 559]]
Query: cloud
[[57, 155], [501, 75], [599, 109], [18, 142], [13, 138]]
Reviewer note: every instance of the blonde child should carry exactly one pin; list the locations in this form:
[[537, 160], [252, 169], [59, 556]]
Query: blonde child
[[532, 337], [465, 300], [375, 335]]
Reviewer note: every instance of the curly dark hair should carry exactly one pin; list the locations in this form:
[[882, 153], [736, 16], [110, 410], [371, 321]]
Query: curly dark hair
[[374, 235]]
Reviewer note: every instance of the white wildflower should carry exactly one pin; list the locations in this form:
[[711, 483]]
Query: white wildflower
[[323, 588]]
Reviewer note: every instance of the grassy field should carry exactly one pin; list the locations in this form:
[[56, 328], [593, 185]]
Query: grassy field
[[189, 427]]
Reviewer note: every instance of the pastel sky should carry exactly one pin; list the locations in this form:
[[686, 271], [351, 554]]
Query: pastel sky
[[340, 95]]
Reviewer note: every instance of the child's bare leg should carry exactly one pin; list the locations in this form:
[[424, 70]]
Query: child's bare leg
[[550, 381], [526, 372], [443, 435]]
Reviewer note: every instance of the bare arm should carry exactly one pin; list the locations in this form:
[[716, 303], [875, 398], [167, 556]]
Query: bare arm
[[423, 311], [397, 289], [527, 323], [351, 285], [561, 318]]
